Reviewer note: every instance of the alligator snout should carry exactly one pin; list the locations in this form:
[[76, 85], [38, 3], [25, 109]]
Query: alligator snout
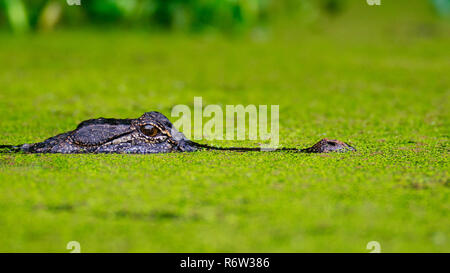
[[329, 145]]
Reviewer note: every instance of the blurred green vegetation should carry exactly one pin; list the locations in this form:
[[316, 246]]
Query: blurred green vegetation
[[187, 15], [21, 16]]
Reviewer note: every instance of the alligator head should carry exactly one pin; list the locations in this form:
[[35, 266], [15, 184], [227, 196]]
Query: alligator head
[[150, 133]]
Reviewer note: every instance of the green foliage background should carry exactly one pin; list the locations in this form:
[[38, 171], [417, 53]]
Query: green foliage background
[[191, 15]]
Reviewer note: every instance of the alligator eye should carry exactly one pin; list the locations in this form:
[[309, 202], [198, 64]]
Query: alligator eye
[[149, 130]]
